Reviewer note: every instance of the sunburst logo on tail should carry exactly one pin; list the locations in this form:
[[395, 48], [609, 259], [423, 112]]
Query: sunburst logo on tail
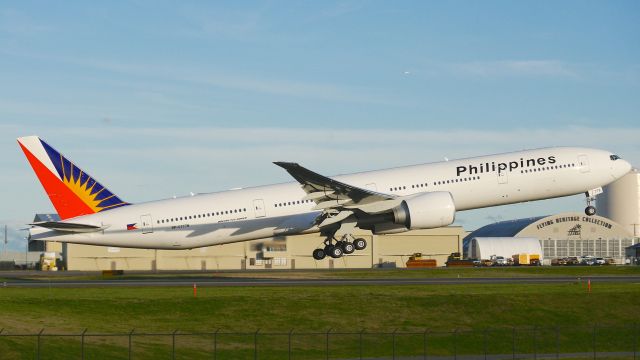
[[89, 191], [72, 191], [85, 191]]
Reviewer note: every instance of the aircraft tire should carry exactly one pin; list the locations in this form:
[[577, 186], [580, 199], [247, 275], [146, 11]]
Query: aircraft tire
[[319, 254], [336, 252], [348, 248], [360, 244], [590, 210]]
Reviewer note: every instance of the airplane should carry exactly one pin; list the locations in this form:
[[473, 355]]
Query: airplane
[[384, 201]]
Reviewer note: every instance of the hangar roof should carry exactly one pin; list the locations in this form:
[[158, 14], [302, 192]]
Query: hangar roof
[[509, 228]]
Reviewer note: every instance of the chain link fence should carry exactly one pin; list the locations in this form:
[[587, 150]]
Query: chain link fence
[[604, 342]]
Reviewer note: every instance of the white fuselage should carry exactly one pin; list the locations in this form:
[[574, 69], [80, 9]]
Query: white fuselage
[[266, 211]]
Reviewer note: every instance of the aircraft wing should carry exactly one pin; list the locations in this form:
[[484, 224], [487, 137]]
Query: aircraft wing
[[328, 193]]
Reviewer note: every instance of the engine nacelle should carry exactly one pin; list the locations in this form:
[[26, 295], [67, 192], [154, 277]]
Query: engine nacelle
[[426, 211]]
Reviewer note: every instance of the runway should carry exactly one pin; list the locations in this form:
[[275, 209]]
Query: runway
[[253, 282]]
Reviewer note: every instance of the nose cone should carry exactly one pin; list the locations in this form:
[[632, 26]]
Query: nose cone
[[624, 168]]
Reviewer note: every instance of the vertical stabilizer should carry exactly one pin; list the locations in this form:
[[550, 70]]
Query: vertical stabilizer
[[72, 191]]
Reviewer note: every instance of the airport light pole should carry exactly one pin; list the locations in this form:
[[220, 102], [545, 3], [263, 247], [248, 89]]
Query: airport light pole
[[4, 245]]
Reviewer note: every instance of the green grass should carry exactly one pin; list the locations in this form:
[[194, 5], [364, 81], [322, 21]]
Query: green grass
[[492, 272], [311, 311], [441, 308], [318, 308]]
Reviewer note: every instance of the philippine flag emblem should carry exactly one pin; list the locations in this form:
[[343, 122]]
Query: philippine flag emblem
[[132, 226]]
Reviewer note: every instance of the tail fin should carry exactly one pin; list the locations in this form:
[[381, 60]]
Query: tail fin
[[72, 191]]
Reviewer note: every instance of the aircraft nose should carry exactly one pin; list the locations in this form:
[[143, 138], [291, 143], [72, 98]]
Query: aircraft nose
[[625, 167], [620, 168]]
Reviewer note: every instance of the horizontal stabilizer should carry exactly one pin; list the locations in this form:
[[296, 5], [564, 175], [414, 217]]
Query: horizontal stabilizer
[[68, 227]]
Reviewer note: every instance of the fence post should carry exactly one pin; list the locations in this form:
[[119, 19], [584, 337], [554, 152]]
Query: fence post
[[82, 344], [255, 345], [594, 340], [513, 345], [38, 346], [328, 331], [424, 340], [557, 342], [290, 333], [393, 341], [535, 342], [635, 343], [215, 344], [361, 332], [173, 344], [486, 331], [455, 344], [130, 336]]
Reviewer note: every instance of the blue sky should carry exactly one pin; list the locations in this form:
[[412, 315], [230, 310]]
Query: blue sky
[[157, 99]]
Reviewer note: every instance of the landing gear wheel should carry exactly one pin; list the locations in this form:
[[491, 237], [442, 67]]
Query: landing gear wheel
[[327, 249], [590, 210], [319, 254], [336, 252], [347, 247], [360, 244]]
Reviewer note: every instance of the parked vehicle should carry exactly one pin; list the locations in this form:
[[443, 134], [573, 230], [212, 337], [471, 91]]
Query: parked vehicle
[[558, 262], [588, 260], [572, 260], [499, 260]]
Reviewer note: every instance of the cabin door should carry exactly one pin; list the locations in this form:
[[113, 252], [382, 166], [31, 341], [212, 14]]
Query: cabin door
[[258, 207], [583, 162], [147, 224]]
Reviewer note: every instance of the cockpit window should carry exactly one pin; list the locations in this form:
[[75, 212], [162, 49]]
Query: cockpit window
[[614, 157]]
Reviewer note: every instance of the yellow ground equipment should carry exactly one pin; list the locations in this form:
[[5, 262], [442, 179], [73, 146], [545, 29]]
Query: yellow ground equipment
[[526, 259], [48, 261]]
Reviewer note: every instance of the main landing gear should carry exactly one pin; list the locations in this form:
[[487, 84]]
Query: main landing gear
[[338, 248]]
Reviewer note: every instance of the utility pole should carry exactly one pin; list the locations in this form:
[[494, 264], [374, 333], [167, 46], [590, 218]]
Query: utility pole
[[4, 245]]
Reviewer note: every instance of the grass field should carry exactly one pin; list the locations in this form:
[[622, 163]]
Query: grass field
[[524, 271], [614, 307]]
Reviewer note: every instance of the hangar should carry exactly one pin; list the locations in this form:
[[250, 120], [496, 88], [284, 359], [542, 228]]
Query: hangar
[[286, 252], [564, 235], [507, 247]]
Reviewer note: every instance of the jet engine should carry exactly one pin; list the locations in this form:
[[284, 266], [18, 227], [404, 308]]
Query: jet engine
[[426, 211]]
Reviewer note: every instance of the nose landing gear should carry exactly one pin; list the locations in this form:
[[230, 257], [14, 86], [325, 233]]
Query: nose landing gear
[[590, 210]]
